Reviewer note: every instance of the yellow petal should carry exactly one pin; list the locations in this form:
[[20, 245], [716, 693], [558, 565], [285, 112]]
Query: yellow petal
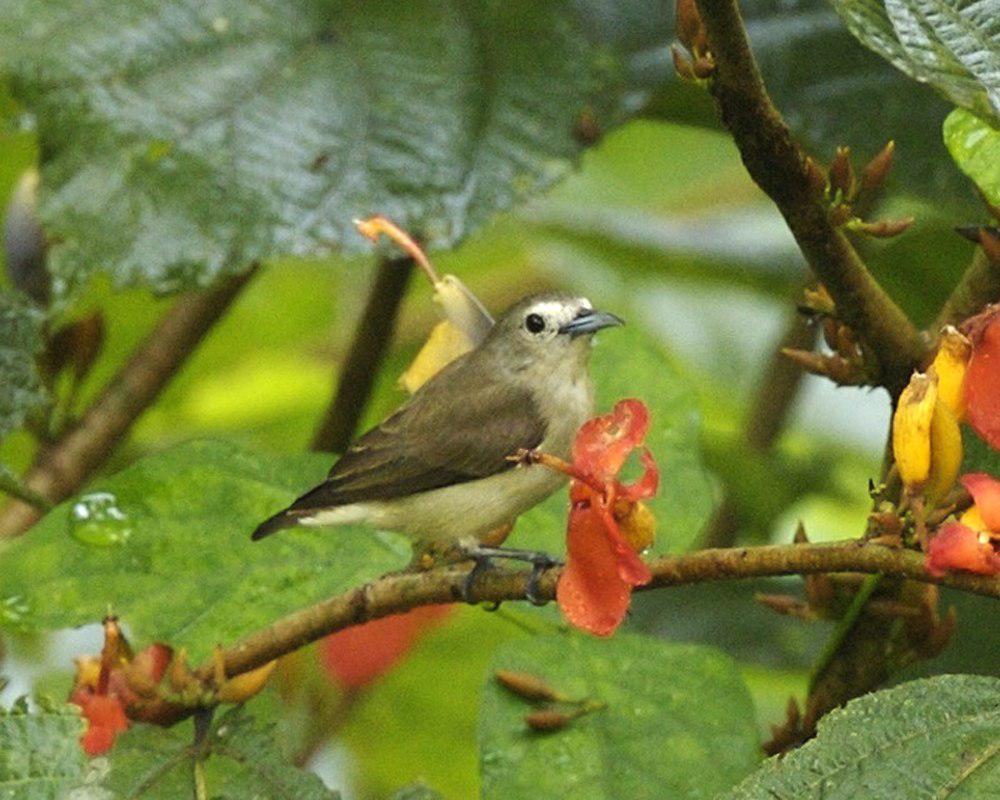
[[243, 687], [911, 430], [444, 345], [637, 524], [946, 452], [973, 518], [463, 309], [949, 367]]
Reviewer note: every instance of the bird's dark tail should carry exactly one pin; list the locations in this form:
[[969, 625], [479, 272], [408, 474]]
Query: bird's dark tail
[[274, 524]]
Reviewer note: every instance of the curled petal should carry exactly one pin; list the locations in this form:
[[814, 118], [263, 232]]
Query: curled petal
[[957, 547], [985, 491], [603, 443], [982, 382], [646, 486]]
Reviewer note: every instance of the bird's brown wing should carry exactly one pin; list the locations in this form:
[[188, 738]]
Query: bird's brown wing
[[435, 440]]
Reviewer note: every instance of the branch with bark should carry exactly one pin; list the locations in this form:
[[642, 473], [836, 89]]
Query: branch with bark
[[63, 467], [780, 167], [398, 592]]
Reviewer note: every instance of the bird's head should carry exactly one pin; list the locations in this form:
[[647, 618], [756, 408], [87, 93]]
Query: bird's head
[[551, 328]]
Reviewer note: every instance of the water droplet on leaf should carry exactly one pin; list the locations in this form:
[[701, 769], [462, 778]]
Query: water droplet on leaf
[[95, 519]]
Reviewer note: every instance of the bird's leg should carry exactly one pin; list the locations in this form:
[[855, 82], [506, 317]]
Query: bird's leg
[[539, 563]]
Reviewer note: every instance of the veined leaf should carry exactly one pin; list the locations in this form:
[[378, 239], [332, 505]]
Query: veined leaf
[[975, 146], [242, 762], [669, 721], [166, 545], [953, 45], [40, 753], [937, 737], [184, 139], [20, 342]]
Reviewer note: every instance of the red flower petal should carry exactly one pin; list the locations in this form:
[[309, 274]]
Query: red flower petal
[[985, 490], [982, 383], [957, 547], [105, 720], [631, 568], [645, 486], [354, 657], [604, 443], [591, 592]]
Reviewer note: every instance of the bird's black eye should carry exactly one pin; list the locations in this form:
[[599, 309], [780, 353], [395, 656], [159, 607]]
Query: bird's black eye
[[534, 323]]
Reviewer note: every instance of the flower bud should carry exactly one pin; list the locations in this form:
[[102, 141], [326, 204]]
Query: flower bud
[[911, 431], [883, 228], [877, 170], [526, 685], [546, 720], [842, 174], [949, 368]]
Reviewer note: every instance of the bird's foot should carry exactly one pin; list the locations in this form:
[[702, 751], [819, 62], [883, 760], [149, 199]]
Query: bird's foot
[[540, 562]]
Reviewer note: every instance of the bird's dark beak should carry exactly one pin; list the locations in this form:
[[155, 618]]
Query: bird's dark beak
[[590, 321]]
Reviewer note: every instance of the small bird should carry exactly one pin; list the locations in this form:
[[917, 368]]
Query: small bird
[[439, 469]]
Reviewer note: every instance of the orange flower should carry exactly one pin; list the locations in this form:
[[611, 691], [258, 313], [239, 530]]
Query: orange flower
[[357, 656], [602, 567], [105, 719], [970, 545], [982, 379]]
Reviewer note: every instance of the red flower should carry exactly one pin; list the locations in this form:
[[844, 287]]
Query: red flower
[[105, 719], [982, 379], [354, 657], [971, 544], [595, 588]]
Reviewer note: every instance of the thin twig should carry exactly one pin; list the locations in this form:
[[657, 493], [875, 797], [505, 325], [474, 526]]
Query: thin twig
[[778, 165], [371, 342], [979, 286], [398, 592], [62, 468]]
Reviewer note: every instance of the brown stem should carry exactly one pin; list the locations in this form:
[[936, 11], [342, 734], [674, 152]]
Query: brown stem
[[979, 286], [398, 592], [371, 341], [778, 165], [776, 392], [62, 468]]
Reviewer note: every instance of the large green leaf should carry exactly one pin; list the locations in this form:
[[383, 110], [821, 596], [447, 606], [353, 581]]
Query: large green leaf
[[975, 146], [20, 341], [166, 544], [627, 363], [938, 737], [241, 762], [678, 722], [953, 45], [40, 753], [182, 139]]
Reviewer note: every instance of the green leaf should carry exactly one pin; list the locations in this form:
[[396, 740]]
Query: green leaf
[[953, 45], [627, 363], [20, 343], [975, 146], [410, 698], [40, 753], [678, 722], [184, 140], [937, 737], [417, 791], [166, 544], [242, 762]]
